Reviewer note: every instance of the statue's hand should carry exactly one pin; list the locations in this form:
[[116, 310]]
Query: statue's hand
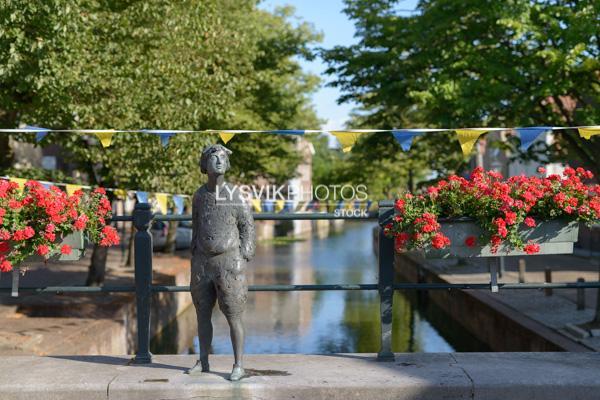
[[237, 266], [247, 252]]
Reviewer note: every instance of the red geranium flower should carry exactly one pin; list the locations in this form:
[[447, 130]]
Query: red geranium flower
[[399, 205], [66, 249], [5, 265], [470, 241], [440, 240], [532, 248], [43, 250], [530, 222], [109, 236], [80, 222]]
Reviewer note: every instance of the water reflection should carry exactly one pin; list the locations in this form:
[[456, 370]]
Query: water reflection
[[314, 322]]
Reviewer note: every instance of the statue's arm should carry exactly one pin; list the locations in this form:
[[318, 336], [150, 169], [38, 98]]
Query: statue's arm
[[245, 223], [195, 222]]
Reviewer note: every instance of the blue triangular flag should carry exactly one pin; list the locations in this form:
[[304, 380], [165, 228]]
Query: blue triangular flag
[[40, 133], [289, 206], [142, 197], [288, 132], [178, 200], [164, 138], [529, 134], [164, 135], [340, 204], [268, 206], [405, 138]]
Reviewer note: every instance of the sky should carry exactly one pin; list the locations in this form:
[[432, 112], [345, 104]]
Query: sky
[[328, 18]]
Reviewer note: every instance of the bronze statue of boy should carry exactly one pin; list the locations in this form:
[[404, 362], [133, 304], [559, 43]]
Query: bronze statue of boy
[[222, 242]]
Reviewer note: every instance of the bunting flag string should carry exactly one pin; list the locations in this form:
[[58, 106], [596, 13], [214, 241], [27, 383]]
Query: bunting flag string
[[160, 201], [467, 137]]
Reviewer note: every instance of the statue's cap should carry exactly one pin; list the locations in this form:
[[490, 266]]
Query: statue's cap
[[212, 148]]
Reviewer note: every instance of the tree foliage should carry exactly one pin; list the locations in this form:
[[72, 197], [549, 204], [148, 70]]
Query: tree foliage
[[217, 64], [131, 64], [473, 63]]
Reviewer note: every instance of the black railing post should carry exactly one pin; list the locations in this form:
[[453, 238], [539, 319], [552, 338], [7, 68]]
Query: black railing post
[[142, 217], [385, 283]]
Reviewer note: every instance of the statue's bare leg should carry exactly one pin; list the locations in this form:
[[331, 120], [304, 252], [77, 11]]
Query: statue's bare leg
[[204, 302], [236, 331]]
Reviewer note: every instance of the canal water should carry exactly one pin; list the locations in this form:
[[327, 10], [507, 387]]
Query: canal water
[[325, 321]]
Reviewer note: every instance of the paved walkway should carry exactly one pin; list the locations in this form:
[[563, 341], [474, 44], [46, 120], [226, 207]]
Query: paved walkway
[[557, 311], [96, 323], [512, 376]]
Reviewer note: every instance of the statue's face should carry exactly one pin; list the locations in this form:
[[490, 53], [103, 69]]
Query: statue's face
[[217, 163]]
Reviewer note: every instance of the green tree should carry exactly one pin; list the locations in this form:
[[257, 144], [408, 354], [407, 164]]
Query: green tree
[[153, 64], [473, 63]]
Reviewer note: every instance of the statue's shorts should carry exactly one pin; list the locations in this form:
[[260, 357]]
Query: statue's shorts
[[219, 277]]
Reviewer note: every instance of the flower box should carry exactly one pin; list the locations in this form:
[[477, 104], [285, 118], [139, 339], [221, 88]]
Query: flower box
[[76, 240], [553, 237], [39, 223]]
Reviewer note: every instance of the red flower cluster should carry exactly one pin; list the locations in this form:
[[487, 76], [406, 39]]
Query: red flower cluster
[[503, 208], [109, 236], [425, 227], [34, 219]]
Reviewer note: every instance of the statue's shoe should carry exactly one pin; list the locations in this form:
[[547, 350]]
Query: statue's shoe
[[200, 367], [237, 373]]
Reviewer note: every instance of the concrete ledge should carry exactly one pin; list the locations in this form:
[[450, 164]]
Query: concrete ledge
[[340, 376]]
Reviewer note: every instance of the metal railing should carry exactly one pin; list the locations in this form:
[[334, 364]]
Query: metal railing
[[142, 218]]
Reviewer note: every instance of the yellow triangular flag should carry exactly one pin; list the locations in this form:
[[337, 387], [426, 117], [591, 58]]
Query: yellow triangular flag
[[467, 138], [120, 194], [161, 202], [279, 204], [587, 133], [300, 206], [226, 136], [373, 206], [72, 189], [256, 205], [347, 139], [105, 137], [20, 182]]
